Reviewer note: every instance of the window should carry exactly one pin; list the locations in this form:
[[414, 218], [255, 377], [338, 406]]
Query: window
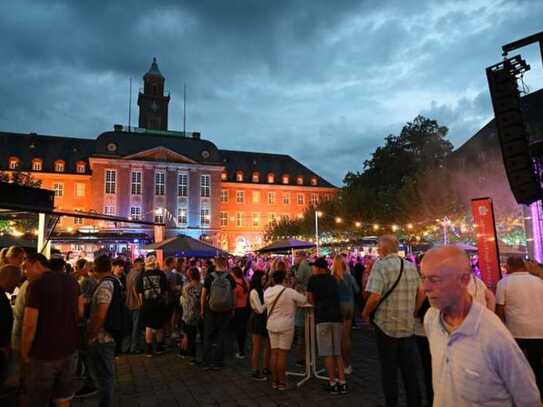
[[240, 197], [135, 213], [205, 217], [37, 164], [256, 177], [239, 219], [271, 198], [78, 221], [205, 186], [79, 190], [13, 163], [182, 185], [256, 196], [160, 181], [224, 219], [159, 215], [59, 166], [224, 195], [271, 178], [111, 181], [239, 176], [285, 179], [314, 199], [224, 176], [58, 187], [286, 198], [80, 167], [299, 180], [135, 186], [256, 219], [301, 199], [314, 181], [109, 210], [182, 216]]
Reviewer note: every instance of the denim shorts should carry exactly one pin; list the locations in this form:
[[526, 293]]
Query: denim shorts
[[329, 338], [51, 380]]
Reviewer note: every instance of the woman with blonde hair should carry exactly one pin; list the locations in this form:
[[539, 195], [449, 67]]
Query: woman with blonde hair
[[347, 289]]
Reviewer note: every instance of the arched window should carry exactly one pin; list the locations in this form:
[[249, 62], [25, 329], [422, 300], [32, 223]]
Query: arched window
[[271, 178], [13, 163], [256, 176], [37, 164], [224, 176], [314, 181], [284, 178], [80, 167], [239, 176], [59, 166], [300, 180]]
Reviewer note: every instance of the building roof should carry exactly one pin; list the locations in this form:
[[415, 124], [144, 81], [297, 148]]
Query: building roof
[[154, 71], [264, 163]]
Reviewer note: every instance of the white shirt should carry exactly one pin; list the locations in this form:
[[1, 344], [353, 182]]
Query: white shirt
[[477, 289], [522, 295], [479, 363], [256, 305], [282, 317]]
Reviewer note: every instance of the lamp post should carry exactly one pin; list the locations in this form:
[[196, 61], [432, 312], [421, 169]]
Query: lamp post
[[318, 214]]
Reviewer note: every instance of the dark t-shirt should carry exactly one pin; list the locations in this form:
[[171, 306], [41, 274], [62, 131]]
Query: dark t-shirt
[[152, 284], [55, 296], [324, 289], [6, 319], [207, 285]]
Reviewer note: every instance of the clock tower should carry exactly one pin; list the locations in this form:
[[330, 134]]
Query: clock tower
[[152, 102]]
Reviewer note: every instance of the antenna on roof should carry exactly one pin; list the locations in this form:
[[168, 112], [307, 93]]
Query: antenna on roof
[[130, 105], [184, 109]]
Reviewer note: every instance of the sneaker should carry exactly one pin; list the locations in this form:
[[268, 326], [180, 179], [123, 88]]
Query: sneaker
[[343, 388], [86, 391], [349, 370], [266, 372], [240, 356], [258, 377], [180, 356], [149, 353], [282, 386], [274, 385], [160, 349], [333, 388]]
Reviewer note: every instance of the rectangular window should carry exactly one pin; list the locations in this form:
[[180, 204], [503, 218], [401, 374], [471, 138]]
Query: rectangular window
[[78, 221], [135, 213], [314, 199], [256, 219], [182, 219], [58, 187], [79, 190], [109, 210], [159, 218], [286, 198], [271, 198], [205, 186], [239, 219], [224, 219], [160, 181], [301, 199], [182, 185], [111, 181], [135, 188], [240, 197], [256, 196], [224, 195], [36, 165], [205, 217]]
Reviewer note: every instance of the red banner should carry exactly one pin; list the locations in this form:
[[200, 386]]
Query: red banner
[[487, 241]]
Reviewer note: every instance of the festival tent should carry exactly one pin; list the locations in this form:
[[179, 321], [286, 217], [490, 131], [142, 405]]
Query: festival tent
[[284, 245], [186, 246]]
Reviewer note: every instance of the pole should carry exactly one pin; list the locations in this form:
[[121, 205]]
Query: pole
[[445, 237], [184, 109], [317, 231], [130, 105]]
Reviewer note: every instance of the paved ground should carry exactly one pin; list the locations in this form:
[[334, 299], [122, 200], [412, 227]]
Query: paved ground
[[166, 381]]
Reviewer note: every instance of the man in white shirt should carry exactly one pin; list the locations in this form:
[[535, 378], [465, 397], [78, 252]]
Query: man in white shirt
[[475, 360], [519, 298]]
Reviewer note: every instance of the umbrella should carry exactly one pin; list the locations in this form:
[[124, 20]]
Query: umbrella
[[285, 245], [186, 246]]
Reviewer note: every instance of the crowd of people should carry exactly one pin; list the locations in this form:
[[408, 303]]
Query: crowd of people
[[64, 326]]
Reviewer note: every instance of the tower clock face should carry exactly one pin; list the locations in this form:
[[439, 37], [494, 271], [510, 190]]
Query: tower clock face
[[154, 106]]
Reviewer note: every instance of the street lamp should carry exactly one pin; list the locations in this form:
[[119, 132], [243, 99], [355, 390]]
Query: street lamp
[[358, 224], [339, 220], [318, 214]]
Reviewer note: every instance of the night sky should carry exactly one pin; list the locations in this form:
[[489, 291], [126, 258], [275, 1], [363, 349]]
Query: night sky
[[324, 81]]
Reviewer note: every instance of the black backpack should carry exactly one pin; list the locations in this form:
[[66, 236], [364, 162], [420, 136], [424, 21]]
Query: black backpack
[[118, 321]]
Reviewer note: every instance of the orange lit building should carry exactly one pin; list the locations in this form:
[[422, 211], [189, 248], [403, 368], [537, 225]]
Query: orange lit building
[[169, 177]]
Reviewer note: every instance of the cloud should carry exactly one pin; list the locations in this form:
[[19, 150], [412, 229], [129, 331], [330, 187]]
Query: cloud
[[323, 81]]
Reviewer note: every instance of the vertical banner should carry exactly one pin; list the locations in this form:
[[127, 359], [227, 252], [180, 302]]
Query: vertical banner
[[487, 241]]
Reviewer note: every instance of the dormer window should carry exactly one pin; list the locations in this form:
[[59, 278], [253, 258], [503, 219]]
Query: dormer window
[[224, 176], [271, 178], [13, 163], [37, 164], [239, 176], [255, 177], [80, 167], [284, 179], [299, 180], [59, 166], [314, 181]]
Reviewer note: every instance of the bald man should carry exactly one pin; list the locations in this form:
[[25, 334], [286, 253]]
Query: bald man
[[475, 360]]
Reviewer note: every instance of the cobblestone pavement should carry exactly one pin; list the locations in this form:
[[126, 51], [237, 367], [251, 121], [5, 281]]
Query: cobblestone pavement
[[166, 381]]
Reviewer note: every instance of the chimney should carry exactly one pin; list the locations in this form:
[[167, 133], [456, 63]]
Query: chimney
[[196, 135], [117, 127]]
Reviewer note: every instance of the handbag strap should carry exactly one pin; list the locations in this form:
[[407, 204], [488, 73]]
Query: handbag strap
[[153, 287], [385, 296], [275, 301]]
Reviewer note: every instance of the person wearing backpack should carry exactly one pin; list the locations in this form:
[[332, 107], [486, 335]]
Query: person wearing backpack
[[190, 301], [101, 351], [216, 309]]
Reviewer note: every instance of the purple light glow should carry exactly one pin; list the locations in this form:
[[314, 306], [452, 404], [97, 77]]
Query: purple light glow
[[537, 232]]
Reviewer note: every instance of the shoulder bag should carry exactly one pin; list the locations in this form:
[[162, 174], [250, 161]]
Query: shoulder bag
[[385, 296]]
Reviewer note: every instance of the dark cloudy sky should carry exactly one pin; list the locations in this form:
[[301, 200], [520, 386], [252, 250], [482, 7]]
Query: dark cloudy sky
[[322, 80]]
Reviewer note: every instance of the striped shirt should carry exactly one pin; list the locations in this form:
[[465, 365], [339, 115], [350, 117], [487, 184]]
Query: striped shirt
[[395, 315], [479, 363]]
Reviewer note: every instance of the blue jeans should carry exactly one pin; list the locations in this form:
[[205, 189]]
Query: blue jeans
[[136, 337], [101, 358]]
